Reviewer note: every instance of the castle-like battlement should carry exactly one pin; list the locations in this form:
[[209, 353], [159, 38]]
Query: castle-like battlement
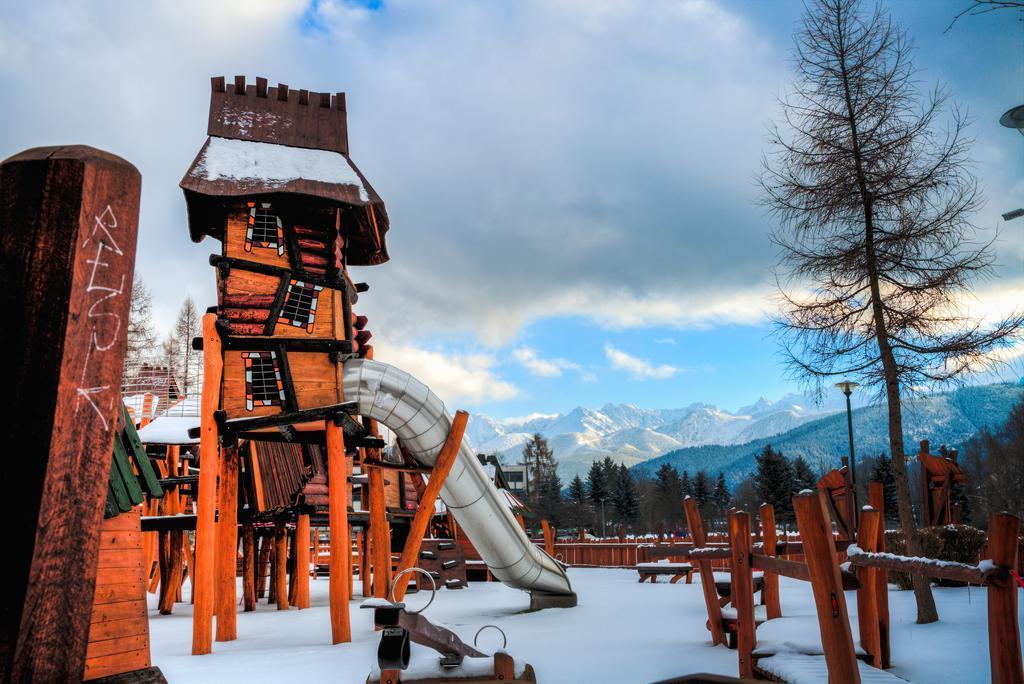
[[282, 116]]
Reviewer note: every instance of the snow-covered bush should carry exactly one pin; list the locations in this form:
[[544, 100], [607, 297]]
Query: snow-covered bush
[[961, 543]]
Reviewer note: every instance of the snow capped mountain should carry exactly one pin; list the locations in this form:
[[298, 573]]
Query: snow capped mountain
[[630, 434]]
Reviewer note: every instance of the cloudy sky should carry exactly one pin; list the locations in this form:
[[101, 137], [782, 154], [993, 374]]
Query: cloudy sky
[[569, 183]]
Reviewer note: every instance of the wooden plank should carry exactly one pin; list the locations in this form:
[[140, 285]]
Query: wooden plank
[[120, 539], [867, 607], [122, 610], [107, 576], [227, 546], [116, 629], [117, 592], [116, 663], [707, 584], [121, 559], [120, 644], [830, 603], [248, 567], [380, 534], [425, 512], [769, 534], [301, 572], [203, 562], [1003, 627], [742, 591], [876, 493], [280, 578]]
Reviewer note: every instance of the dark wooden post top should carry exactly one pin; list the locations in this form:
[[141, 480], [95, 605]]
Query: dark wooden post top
[[67, 255]]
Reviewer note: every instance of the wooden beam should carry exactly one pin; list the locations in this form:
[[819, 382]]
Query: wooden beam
[[1003, 627], [707, 576], [69, 217], [227, 546], [302, 561], [380, 535], [248, 568], [421, 521], [876, 496], [549, 538], [281, 566], [867, 606], [206, 503], [741, 591], [830, 603], [340, 537], [769, 538]]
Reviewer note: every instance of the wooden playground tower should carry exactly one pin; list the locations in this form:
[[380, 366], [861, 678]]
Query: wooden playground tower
[[274, 184]]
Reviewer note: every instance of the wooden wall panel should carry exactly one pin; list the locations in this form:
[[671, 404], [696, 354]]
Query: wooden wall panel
[[234, 241], [314, 377], [119, 629]]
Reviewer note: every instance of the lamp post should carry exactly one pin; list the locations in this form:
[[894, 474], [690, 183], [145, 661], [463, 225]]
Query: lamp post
[[847, 386]]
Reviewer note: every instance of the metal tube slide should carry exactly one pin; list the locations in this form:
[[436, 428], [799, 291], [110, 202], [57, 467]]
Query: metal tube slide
[[418, 418]]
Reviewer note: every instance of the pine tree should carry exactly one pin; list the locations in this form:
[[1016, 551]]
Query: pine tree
[[624, 497], [549, 504], [539, 460], [882, 472], [577, 491], [686, 484], [702, 492], [669, 493], [773, 482], [189, 361], [803, 475], [597, 484], [720, 497]]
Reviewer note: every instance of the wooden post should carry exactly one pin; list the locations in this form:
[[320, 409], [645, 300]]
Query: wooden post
[[823, 567], [876, 494], [549, 539], [69, 217], [281, 566], [707, 576], [263, 566], [742, 590], [248, 567], [227, 546], [203, 579], [1003, 628], [867, 604], [380, 535], [302, 561], [442, 466], [340, 539], [769, 535]]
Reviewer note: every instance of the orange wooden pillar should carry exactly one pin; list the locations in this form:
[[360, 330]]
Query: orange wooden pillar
[[823, 566], [280, 578], [442, 466], [1003, 629], [769, 541], [227, 546], [203, 579], [248, 567], [302, 541], [707, 576], [876, 492], [340, 539], [380, 534], [867, 603], [549, 538], [742, 591], [366, 586]]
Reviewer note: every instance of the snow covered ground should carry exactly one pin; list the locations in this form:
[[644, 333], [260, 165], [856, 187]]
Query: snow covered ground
[[622, 631]]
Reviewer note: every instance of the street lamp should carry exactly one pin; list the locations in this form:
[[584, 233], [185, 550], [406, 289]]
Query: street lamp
[[847, 386], [1014, 118]]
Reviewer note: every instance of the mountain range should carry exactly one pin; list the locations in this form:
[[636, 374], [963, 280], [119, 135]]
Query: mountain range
[[704, 437]]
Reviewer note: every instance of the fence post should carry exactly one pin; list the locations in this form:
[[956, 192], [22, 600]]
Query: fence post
[[867, 605], [772, 604], [707, 575], [823, 566], [877, 496], [742, 590], [1003, 630]]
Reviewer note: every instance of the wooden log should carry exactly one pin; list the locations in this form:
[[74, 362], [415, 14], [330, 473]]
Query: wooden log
[[262, 566], [770, 592], [364, 559], [823, 564], [203, 579], [340, 538], [248, 567], [876, 494], [799, 571], [69, 217], [867, 606], [1003, 628], [380, 537], [302, 561], [293, 581], [425, 512], [549, 538], [227, 547], [742, 590], [707, 582], [929, 567], [281, 566]]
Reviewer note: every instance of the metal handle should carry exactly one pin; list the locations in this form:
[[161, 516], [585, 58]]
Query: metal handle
[[504, 639], [433, 588]]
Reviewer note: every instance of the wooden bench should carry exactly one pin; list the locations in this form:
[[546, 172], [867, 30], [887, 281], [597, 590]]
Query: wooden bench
[[677, 571]]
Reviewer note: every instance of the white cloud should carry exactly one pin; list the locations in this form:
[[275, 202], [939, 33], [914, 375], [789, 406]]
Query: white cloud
[[665, 340], [521, 420], [453, 377], [545, 368], [637, 367]]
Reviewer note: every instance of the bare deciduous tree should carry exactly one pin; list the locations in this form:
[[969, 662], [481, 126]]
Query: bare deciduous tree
[[188, 362], [869, 180], [141, 338]]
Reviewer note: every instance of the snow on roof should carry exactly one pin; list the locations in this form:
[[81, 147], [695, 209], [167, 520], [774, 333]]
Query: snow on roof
[[173, 424], [245, 160]]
